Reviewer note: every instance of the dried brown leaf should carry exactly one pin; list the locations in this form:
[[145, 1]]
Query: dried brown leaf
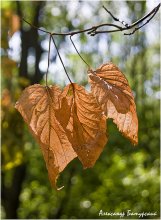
[[86, 126], [37, 105], [113, 93]]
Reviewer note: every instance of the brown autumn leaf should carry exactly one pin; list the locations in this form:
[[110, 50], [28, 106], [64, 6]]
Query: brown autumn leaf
[[86, 127], [37, 105], [113, 93]]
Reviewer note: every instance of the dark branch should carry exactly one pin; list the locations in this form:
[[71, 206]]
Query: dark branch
[[143, 23], [92, 31], [154, 11], [116, 19], [127, 26], [88, 30]]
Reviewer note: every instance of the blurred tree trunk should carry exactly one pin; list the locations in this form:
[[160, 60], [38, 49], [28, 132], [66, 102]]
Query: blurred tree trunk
[[29, 39], [10, 196]]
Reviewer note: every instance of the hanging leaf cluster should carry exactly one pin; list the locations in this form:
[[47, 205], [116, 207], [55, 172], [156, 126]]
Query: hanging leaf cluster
[[71, 123]]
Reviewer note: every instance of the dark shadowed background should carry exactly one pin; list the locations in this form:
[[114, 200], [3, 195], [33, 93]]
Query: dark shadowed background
[[124, 177]]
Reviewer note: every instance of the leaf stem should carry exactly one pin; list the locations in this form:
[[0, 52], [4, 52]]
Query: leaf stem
[[46, 80], [60, 57], [78, 52]]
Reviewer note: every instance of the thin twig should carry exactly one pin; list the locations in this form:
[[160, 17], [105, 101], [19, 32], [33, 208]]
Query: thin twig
[[37, 28], [153, 12], [78, 52], [116, 19], [94, 28], [88, 30], [136, 29], [73, 32], [92, 31], [146, 16], [60, 58], [101, 32], [46, 81]]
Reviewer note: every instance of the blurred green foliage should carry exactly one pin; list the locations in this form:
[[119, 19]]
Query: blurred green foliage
[[125, 177]]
